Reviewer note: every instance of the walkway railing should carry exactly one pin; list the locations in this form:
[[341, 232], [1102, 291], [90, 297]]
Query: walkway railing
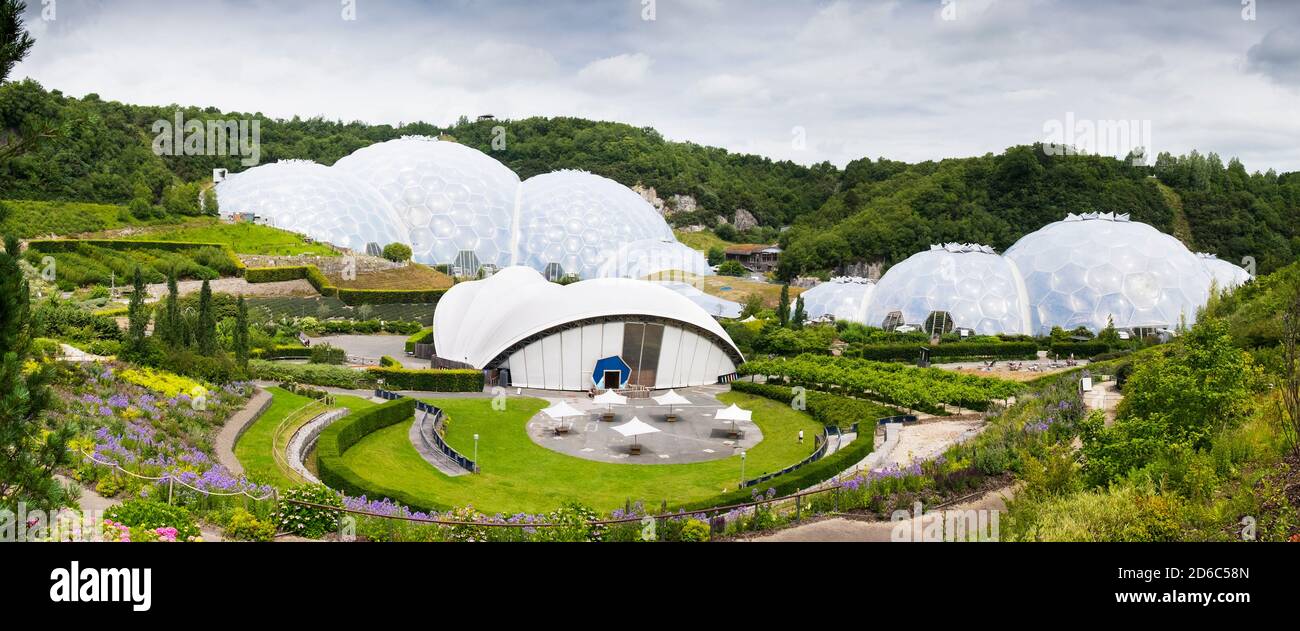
[[823, 440], [438, 443]]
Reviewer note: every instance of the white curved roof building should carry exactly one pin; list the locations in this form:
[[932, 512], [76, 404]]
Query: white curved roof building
[[313, 199], [974, 286], [580, 221], [455, 205], [843, 298], [1225, 274], [1088, 269], [569, 337]]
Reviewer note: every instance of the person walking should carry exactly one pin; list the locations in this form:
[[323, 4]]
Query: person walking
[[800, 437]]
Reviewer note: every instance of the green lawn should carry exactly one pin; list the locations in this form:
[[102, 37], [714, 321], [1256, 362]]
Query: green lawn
[[254, 449], [245, 238], [518, 475], [702, 240]]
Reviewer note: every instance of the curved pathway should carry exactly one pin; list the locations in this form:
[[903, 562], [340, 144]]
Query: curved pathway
[[224, 445]]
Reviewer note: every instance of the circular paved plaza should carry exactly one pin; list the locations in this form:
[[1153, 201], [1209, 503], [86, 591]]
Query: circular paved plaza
[[694, 437]]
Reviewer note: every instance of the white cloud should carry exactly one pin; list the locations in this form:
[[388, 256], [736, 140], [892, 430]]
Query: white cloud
[[885, 79], [627, 69]]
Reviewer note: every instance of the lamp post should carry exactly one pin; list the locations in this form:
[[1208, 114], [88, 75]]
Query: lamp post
[[476, 450], [742, 468]]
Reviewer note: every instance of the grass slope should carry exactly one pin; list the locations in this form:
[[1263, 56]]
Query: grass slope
[[254, 449], [731, 287], [413, 276], [244, 238], [519, 475], [31, 219]]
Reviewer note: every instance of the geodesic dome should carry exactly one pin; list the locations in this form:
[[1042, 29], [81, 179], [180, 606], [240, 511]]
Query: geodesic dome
[[974, 286], [845, 298], [313, 199], [640, 259], [1224, 274], [1089, 268], [580, 220], [452, 199]]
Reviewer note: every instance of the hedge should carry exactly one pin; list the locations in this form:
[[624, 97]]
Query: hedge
[[282, 352], [314, 374], [274, 274], [70, 245], [386, 361], [828, 409], [950, 350], [350, 297], [431, 380], [422, 337], [797, 480], [1079, 349], [341, 435]]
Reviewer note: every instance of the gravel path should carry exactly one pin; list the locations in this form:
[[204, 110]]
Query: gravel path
[[238, 422], [840, 529], [237, 287]]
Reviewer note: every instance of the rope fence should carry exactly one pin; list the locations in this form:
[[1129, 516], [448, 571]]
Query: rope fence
[[171, 479]]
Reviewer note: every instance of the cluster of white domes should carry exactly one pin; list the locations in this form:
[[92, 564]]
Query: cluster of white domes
[[975, 287], [842, 298], [1086, 270], [458, 206]]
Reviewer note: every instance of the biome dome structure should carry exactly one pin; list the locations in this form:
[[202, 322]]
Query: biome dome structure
[[558, 337], [646, 257], [451, 198], [953, 285], [842, 297], [1225, 274], [306, 197], [455, 205], [580, 220], [1090, 269]]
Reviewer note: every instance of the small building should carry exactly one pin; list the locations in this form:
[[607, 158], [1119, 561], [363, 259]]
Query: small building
[[756, 257]]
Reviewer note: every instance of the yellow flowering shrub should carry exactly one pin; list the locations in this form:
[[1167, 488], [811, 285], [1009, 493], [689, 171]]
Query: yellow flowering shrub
[[160, 381]]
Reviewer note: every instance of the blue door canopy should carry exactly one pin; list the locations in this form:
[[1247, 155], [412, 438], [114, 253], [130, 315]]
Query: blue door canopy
[[611, 363]]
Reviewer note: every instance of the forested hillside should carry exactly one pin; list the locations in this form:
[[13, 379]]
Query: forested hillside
[[872, 210], [889, 210]]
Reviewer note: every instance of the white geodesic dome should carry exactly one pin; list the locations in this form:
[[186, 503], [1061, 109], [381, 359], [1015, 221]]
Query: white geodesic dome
[[977, 288], [312, 199], [579, 220], [1087, 269], [643, 258], [1224, 274], [450, 198], [844, 298]]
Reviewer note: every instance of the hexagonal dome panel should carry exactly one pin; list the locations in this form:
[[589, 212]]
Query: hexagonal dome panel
[[1113, 268], [1224, 274], [450, 198], [581, 220], [975, 286], [842, 297], [315, 200]]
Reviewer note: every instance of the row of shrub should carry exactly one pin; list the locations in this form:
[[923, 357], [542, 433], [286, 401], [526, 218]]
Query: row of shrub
[[350, 297], [335, 326], [1079, 350], [952, 350], [433, 380], [80, 263], [826, 408], [800, 479], [341, 435], [282, 352], [422, 337], [314, 374]]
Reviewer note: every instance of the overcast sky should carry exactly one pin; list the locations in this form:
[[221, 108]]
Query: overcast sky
[[806, 81]]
